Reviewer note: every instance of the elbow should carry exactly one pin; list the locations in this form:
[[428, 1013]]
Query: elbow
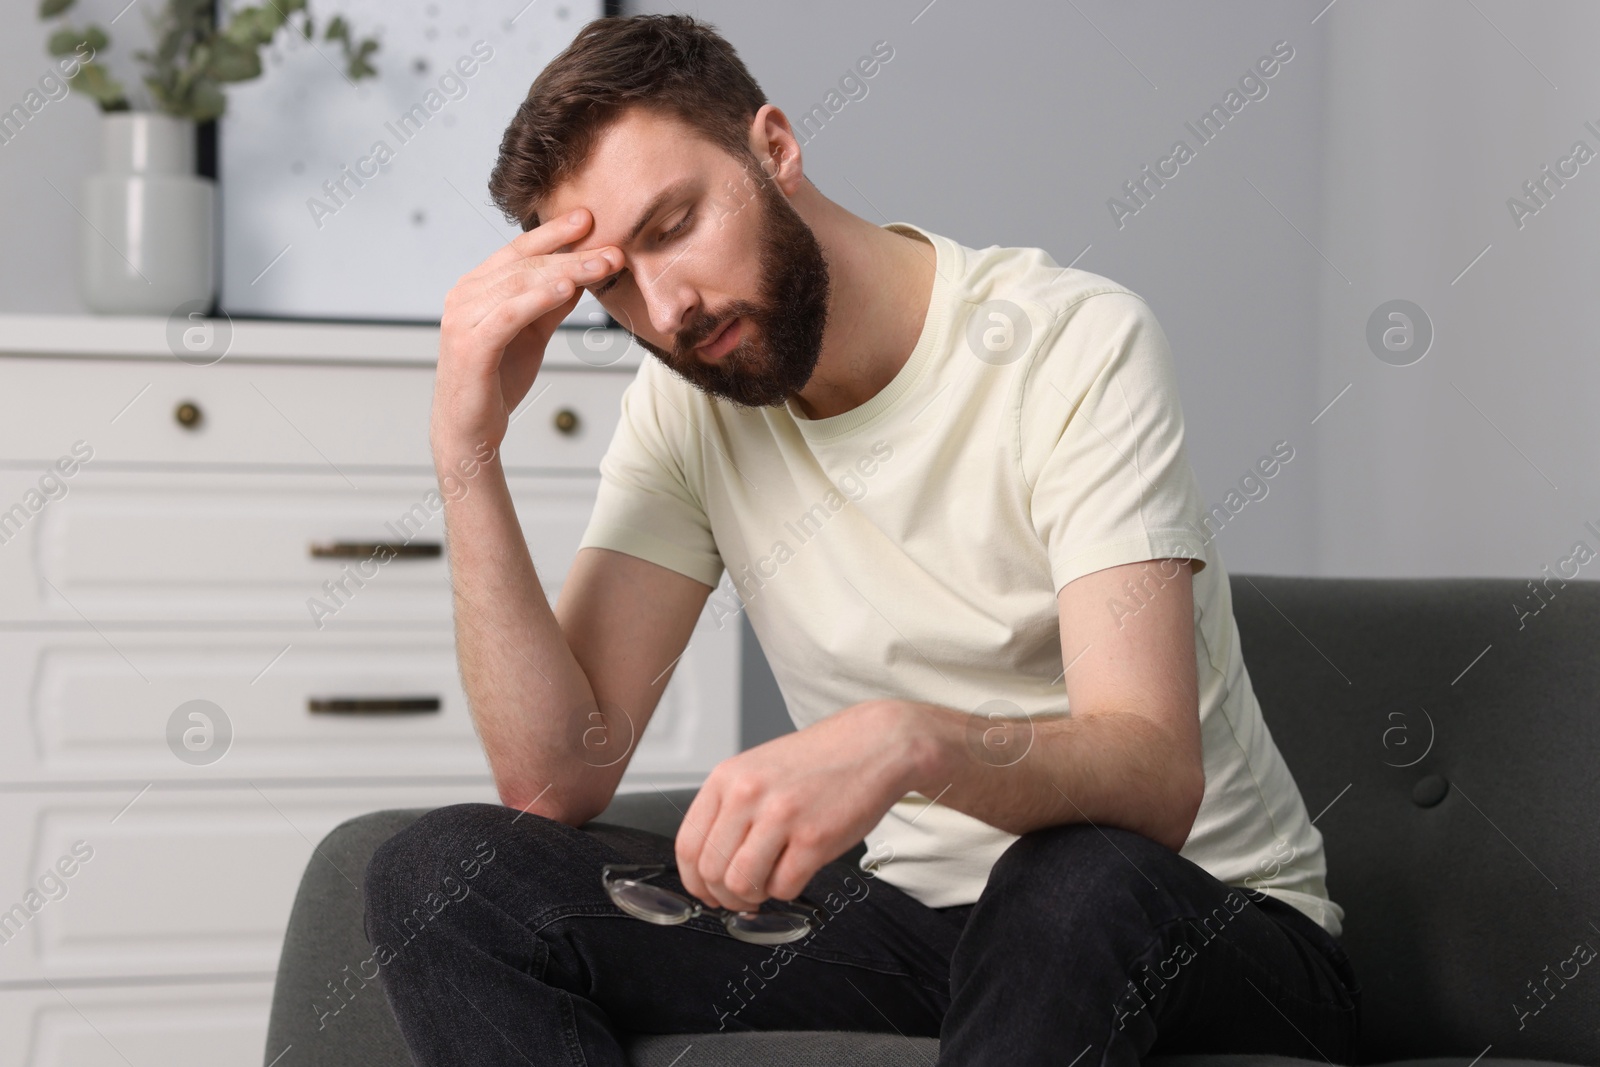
[[1184, 806], [537, 800]]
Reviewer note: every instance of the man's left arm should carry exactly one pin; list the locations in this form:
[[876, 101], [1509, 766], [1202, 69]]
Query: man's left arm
[[1128, 756]]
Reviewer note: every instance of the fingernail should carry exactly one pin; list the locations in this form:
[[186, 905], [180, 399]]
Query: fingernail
[[593, 264], [576, 216]]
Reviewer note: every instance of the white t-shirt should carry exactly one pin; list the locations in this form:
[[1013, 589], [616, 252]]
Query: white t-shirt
[[913, 546]]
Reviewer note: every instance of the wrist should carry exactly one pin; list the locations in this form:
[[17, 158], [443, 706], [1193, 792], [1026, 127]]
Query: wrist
[[915, 737], [463, 461]]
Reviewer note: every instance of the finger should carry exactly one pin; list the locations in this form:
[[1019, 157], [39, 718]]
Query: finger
[[561, 283], [510, 317], [724, 839], [543, 239], [697, 823], [471, 301], [555, 238], [588, 267], [749, 872], [793, 871]]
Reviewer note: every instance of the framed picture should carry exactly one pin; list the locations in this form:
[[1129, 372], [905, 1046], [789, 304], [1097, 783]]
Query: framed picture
[[366, 200]]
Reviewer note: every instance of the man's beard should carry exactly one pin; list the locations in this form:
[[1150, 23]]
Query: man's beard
[[780, 338]]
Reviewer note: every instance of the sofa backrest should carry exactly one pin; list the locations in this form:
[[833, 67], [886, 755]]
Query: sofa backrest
[[1448, 731]]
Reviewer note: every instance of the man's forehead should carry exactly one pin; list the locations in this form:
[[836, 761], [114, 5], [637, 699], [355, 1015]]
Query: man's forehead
[[645, 155], [624, 208]]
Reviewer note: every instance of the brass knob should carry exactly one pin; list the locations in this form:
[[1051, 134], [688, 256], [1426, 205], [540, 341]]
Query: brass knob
[[567, 421], [188, 415]]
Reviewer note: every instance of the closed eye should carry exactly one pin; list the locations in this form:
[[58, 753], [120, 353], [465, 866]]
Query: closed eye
[[679, 228], [612, 282]]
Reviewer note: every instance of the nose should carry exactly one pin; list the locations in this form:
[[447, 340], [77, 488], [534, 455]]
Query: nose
[[669, 300]]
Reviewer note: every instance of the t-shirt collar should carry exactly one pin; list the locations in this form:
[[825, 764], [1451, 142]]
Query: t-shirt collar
[[928, 341]]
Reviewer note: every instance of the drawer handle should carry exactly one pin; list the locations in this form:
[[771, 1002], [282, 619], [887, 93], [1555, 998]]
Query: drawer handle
[[368, 705], [188, 414], [364, 549], [567, 421]]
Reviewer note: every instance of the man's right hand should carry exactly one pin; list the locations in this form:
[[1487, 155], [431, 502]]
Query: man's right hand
[[497, 321]]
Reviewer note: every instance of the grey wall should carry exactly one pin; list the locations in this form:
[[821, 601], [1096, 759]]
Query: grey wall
[[41, 169], [1482, 458]]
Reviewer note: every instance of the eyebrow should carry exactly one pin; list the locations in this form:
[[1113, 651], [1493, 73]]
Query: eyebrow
[[659, 201], [653, 208]]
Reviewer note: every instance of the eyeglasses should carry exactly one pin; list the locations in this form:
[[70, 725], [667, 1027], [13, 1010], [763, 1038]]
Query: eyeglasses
[[628, 886]]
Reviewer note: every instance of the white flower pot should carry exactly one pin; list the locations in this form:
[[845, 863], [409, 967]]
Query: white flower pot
[[146, 235]]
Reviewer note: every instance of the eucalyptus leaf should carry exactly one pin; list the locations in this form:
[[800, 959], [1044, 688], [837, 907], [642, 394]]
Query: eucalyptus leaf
[[93, 80], [199, 58], [167, 50], [241, 31], [230, 63], [252, 26], [163, 99], [206, 101], [192, 58], [64, 42]]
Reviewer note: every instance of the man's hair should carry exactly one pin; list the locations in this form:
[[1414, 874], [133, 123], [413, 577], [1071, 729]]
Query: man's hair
[[672, 63]]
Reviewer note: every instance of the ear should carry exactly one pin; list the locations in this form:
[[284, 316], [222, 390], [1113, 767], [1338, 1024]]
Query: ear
[[773, 143]]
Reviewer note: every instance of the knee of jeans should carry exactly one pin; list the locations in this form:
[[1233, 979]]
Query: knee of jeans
[[419, 871], [1058, 865]]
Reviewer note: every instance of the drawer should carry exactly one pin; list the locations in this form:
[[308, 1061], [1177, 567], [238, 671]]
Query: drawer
[[209, 1024], [86, 706], [326, 417], [115, 544], [176, 881]]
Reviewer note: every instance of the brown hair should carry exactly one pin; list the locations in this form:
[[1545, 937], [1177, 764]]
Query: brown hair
[[670, 62]]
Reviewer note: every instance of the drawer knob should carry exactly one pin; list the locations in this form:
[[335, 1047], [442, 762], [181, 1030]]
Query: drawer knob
[[567, 421], [188, 414]]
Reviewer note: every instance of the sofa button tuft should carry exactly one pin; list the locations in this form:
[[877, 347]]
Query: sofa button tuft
[[1429, 790]]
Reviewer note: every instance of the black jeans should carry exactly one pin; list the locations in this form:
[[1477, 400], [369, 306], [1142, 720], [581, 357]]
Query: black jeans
[[497, 944]]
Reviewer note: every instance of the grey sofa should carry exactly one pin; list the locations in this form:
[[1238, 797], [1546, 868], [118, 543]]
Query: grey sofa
[[1446, 740]]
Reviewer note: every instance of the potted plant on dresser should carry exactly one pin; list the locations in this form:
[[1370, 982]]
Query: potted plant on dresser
[[147, 224]]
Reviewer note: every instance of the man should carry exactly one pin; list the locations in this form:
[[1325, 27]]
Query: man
[[951, 488]]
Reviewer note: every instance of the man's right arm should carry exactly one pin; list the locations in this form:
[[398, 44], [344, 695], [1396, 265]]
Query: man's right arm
[[559, 696], [558, 704]]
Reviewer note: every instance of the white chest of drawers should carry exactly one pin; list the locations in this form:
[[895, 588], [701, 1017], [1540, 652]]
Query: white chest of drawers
[[167, 532]]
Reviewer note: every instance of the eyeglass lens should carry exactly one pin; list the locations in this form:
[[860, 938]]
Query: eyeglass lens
[[663, 906]]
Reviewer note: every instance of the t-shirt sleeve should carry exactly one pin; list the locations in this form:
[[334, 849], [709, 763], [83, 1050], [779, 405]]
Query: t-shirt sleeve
[[1102, 442], [646, 505]]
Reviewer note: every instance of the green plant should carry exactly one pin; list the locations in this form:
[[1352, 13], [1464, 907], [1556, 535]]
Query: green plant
[[193, 58]]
